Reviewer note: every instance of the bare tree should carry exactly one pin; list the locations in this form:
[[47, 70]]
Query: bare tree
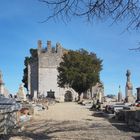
[[118, 10], [135, 49]]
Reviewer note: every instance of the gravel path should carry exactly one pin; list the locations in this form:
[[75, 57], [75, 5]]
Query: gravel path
[[70, 121]]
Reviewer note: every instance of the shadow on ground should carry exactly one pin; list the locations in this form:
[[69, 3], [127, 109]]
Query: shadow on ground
[[64, 130], [49, 130], [136, 137], [120, 125], [26, 136], [81, 130]]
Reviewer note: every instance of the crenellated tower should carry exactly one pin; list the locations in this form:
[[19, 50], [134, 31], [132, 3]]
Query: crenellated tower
[[42, 73], [39, 47]]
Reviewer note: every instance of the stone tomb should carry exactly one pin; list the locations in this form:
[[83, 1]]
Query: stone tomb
[[21, 94], [8, 114]]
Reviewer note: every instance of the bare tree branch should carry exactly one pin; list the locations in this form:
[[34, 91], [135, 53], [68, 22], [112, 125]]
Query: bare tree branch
[[118, 10], [135, 49]]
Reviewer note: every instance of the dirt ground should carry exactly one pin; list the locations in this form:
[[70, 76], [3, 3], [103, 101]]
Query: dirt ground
[[70, 121]]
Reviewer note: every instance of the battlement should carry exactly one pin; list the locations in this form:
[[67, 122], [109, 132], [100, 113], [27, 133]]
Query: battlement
[[49, 48]]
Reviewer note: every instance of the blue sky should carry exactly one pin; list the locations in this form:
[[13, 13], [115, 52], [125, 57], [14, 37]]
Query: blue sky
[[20, 29]]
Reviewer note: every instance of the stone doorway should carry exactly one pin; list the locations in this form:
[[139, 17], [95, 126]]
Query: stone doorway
[[68, 96]]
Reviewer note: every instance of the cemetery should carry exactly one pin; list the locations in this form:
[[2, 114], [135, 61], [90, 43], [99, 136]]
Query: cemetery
[[18, 111], [69, 70]]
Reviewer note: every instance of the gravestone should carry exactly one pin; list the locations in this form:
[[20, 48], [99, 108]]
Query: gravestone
[[98, 91], [21, 95], [51, 94]]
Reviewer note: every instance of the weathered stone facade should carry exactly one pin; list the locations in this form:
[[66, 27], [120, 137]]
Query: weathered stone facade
[[42, 72], [97, 92], [8, 115]]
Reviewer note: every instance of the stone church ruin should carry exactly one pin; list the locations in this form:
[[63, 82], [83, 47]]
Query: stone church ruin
[[42, 74]]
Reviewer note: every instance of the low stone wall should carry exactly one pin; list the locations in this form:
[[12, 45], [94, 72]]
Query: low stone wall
[[8, 122], [131, 118]]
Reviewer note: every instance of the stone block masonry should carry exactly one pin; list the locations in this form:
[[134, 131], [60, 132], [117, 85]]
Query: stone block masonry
[[8, 121], [8, 115], [131, 118], [42, 72]]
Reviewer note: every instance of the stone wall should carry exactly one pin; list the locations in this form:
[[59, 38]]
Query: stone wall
[[48, 80], [131, 118], [49, 59]]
